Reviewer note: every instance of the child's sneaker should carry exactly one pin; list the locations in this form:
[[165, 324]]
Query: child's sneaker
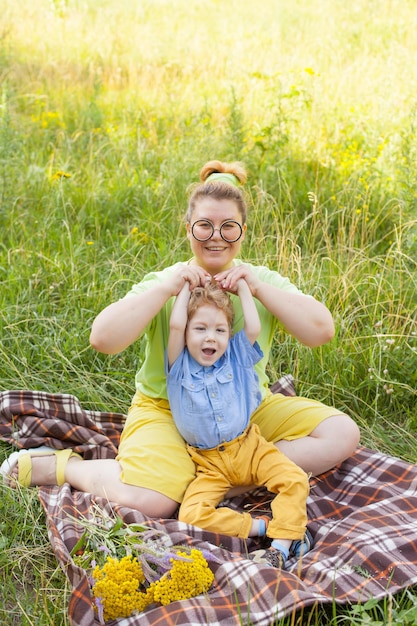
[[270, 556], [300, 547]]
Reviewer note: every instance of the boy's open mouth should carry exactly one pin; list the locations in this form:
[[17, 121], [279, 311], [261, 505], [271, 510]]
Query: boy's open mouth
[[209, 351]]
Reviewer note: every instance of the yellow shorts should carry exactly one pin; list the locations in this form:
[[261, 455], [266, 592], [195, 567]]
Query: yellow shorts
[[153, 454]]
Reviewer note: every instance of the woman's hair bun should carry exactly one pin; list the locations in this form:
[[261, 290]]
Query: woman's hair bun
[[220, 167]]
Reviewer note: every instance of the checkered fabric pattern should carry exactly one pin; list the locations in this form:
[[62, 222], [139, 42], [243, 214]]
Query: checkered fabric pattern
[[362, 515]]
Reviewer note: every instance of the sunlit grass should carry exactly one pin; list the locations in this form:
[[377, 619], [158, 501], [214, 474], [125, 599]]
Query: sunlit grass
[[107, 112]]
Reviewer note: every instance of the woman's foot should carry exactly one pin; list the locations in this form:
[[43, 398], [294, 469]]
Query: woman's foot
[[37, 466]]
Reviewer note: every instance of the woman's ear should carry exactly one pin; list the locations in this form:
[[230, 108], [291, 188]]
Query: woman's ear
[[188, 228]]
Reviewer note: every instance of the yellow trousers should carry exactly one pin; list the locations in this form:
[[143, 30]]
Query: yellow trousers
[[247, 460]]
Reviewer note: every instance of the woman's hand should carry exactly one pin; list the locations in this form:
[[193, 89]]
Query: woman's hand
[[195, 275], [228, 279]]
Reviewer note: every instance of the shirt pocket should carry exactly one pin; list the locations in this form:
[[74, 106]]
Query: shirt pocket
[[227, 382], [193, 396]]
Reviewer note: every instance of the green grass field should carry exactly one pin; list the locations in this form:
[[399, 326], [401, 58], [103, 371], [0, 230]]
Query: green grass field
[[107, 112]]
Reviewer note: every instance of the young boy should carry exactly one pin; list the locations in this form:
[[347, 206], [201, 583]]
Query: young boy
[[213, 389]]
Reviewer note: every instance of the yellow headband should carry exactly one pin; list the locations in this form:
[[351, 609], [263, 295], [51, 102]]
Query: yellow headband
[[224, 177]]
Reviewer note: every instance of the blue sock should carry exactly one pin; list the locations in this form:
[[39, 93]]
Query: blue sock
[[278, 546], [262, 527]]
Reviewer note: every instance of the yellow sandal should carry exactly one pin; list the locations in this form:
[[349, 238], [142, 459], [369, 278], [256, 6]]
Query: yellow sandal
[[24, 459]]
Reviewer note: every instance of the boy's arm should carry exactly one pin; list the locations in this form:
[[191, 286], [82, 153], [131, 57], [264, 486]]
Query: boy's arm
[[252, 326], [177, 324]]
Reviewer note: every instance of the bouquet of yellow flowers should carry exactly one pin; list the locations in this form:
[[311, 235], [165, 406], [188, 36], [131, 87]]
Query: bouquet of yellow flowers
[[132, 566]]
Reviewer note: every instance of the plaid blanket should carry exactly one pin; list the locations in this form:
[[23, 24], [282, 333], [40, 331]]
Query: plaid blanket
[[362, 514]]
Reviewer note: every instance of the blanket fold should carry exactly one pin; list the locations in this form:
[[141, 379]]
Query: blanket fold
[[362, 514]]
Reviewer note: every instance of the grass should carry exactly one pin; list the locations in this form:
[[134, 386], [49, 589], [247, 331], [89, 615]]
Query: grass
[[34, 589], [107, 112]]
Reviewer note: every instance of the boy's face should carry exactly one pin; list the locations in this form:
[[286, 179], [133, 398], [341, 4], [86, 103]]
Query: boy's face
[[207, 334]]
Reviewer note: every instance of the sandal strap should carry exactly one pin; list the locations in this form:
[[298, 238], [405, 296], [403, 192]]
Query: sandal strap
[[62, 458], [25, 465], [24, 471]]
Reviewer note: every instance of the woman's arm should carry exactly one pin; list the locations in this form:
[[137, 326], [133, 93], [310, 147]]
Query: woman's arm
[[304, 317], [122, 322]]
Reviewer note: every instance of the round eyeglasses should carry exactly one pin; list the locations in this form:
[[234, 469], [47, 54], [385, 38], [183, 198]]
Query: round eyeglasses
[[230, 231]]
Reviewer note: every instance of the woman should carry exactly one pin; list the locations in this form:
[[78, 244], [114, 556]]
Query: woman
[[153, 469]]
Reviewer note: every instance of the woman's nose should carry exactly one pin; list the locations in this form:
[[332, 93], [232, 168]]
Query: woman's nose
[[216, 234]]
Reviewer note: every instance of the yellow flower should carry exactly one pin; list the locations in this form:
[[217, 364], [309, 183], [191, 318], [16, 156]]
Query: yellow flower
[[118, 586], [60, 174], [186, 578], [141, 237]]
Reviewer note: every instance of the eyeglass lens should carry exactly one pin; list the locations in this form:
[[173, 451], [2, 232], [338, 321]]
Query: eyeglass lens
[[203, 230]]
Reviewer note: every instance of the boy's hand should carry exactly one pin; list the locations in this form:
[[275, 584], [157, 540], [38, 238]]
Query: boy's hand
[[240, 287]]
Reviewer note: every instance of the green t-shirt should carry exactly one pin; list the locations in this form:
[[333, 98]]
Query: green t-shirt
[[150, 378]]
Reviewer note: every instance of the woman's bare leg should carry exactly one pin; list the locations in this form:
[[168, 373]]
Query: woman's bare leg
[[101, 477], [330, 443]]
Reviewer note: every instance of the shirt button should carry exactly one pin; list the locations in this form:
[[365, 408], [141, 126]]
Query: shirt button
[[214, 395]]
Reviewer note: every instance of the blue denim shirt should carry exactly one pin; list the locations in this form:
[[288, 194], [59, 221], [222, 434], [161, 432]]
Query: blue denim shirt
[[211, 405]]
